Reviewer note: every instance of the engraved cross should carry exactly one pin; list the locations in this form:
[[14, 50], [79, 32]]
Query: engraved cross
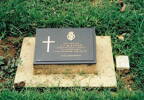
[[48, 43]]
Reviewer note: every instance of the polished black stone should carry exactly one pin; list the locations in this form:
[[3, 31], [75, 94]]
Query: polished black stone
[[65, 46]]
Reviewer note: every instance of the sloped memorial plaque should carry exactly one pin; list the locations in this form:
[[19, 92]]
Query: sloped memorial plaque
[[65, 46]]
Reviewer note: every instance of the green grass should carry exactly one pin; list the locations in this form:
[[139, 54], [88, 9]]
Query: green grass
[[20, 18], [76, 94]]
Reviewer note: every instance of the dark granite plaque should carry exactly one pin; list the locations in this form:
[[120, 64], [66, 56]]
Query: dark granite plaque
[[65, 46]]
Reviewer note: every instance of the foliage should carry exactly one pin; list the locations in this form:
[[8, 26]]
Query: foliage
[[78, 94], [9, 69], [22, 17], [1, 60]]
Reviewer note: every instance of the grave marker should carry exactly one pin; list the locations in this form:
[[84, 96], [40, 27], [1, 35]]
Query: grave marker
[[65, 46]]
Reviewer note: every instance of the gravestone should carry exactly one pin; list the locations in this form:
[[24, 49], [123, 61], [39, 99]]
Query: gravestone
[[65, 50], [65, 46]]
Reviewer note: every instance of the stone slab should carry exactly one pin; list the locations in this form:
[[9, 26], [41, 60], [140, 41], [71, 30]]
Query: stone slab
[[122, 62], [105, 76]]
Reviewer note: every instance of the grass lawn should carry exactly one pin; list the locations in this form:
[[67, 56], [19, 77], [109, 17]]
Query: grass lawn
[[20, 18]]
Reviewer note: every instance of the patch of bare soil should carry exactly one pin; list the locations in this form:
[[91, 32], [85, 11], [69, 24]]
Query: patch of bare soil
[[128, 80], [2, 80], [96, 2], [7, 47]]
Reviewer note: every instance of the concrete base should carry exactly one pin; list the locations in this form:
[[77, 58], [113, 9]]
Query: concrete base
[[104, 76], [65, 69]]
